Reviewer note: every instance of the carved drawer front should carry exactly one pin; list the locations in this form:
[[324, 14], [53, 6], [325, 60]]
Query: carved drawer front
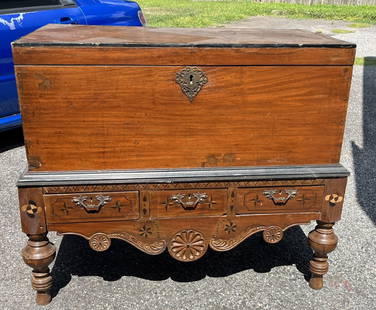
[[92, 206], [188, 203], [279, 199]]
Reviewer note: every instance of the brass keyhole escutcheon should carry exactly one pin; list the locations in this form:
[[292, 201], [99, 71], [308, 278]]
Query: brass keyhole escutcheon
[[191, 81]]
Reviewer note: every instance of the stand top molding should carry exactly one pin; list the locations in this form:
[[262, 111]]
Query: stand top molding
[[181, 175]]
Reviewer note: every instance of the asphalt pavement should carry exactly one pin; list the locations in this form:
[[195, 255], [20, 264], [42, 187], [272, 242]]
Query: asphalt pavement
[[255, 275]]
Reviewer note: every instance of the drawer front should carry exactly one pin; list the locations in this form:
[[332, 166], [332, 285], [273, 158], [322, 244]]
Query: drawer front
[[188, 203], [279, 199], [92, 206]]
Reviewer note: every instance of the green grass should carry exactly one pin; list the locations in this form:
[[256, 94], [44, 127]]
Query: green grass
[[342, 31], [193, 13], [366, 61], [359, 25]]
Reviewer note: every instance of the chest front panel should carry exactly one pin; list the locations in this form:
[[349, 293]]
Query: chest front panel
[[136, 117]]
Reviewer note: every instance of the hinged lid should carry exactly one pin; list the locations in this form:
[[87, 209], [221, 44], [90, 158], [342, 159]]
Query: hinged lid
[[179, 46]]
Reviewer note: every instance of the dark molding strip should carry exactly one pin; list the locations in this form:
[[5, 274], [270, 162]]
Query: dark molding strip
[[181, 175], [199, 45]]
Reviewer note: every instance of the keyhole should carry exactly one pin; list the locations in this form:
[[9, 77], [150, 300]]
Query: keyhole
[[191, 79]]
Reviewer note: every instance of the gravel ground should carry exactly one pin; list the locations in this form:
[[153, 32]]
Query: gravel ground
[[252, 276]]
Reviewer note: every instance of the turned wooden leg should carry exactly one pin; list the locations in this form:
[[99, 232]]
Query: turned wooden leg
[[38, 254], [322, 240]]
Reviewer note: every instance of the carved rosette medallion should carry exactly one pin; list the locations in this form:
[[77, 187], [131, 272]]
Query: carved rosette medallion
[[187, 245], [99, 242], [273, 234], [191, 80]]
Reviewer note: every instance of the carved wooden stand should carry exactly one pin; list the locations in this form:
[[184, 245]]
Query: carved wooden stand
[[184, 218]]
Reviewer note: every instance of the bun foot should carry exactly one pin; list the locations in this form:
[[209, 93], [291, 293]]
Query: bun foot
[[43, 298], [316, 282]]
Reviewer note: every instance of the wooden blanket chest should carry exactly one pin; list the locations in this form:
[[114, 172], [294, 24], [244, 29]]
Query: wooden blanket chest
[[180, 139]]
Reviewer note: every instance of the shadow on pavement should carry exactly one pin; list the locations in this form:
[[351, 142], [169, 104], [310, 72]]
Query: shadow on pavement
[[11, 139], [365, 158], [76, 258]]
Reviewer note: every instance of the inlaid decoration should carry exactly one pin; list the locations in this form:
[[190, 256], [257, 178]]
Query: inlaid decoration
[[145, 231], [334, 198], [65, 209], [31, 209], [174, 186], [304, 199], [252, 200], [230, 227]]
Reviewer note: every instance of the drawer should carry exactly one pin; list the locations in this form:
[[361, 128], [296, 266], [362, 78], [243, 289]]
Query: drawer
[[92, 206], [188, 203], [279, 199]]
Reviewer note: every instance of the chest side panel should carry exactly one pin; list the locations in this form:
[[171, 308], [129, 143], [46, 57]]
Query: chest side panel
[[129, 117]]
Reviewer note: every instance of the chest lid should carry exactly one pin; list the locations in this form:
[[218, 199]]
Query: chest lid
[[179, 46]]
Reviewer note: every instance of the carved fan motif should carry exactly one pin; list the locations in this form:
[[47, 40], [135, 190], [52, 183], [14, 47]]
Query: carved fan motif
[[187, 245]]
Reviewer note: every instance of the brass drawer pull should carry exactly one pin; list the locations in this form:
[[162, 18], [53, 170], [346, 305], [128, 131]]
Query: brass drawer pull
[[189, 201], [280, 197], [88, 203]]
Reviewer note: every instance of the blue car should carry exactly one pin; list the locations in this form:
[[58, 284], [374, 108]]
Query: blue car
[[20, 17]]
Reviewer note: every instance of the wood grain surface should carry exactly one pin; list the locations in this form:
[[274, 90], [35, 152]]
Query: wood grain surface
[[178, 56], [124, 117], [93, 45], [55, 34]]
